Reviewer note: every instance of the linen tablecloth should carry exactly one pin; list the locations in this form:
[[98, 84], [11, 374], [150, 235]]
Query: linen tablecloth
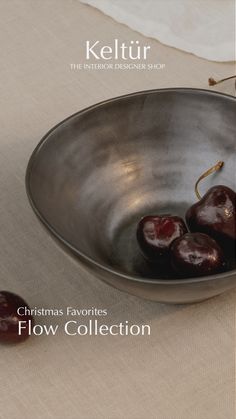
[[185, 368]]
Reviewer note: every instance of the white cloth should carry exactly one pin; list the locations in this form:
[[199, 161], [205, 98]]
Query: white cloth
[[205, 28]]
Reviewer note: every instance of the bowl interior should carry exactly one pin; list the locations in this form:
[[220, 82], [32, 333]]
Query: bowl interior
[[97, 173]]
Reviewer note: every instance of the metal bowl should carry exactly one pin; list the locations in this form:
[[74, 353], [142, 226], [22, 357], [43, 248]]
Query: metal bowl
[[96, 173]]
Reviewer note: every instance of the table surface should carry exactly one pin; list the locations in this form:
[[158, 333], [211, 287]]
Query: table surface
[[185, 369]]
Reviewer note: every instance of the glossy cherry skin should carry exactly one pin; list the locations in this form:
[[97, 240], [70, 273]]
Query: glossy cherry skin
[[9, 318], [155, 233], [215, 214], [196, 254]]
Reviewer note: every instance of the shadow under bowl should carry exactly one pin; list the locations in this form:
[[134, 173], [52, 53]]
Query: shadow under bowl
[[95, 174]]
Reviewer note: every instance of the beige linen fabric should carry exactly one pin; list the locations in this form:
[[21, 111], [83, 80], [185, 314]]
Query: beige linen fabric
[[185, 369]]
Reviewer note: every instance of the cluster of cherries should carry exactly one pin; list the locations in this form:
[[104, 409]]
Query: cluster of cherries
[[208, 245]]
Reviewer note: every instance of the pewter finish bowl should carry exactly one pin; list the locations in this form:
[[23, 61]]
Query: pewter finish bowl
[[96, 173]]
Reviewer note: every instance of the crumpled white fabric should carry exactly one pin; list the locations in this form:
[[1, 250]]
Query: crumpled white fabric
[[205, 28]]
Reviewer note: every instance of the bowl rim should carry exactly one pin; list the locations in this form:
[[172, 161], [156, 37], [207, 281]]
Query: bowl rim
[[81, 255]]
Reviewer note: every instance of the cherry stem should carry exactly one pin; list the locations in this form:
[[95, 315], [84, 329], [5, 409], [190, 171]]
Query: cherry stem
[[213, 169], [213, 82]]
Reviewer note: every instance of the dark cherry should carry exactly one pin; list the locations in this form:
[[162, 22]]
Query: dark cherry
[[196, 254], [215, 213], [9, 318], [155, 233]]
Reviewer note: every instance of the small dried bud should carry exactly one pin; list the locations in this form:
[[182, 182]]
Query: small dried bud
[[211, 81]]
